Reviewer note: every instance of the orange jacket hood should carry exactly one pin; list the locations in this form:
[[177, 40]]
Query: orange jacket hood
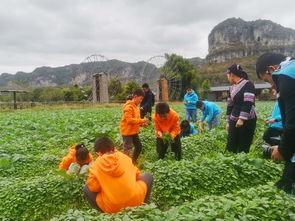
[[110, 164], [116, 180]]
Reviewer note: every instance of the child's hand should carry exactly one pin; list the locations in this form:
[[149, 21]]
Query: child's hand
[[145, 125], [160, 134]]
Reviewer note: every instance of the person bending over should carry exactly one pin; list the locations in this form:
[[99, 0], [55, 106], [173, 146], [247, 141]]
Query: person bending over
[[187, 128], [77, 160], [167, 130]]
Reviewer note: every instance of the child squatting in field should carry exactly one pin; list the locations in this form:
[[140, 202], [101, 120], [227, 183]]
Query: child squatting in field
[[77, 160], [114, 182]]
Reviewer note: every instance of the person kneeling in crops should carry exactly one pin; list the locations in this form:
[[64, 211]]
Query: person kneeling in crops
[[187, 128], [167, 130], [114, 182], [211, 114], [77, 160]]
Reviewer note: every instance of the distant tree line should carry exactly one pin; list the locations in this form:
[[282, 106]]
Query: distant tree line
[[176, 66]]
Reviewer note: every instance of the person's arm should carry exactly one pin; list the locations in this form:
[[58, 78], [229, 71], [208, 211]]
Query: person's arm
[[229, 108], [204, 115], [287, 106], [248, 102], [175, 130], [137, 173], [66, 162], [184, 100], [278, 116], [193, 130], [92, 183], [128, 115], [157, 128], [194, 100]]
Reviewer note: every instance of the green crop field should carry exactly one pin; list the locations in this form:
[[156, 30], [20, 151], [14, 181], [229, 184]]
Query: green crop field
[[208, 184]]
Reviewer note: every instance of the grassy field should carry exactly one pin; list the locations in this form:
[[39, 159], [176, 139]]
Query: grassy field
[[208, 184]]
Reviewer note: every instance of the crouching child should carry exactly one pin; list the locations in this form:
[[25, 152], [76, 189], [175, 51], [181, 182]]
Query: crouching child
[[77, 160], [166, 124], [187, 129], [114, 182]]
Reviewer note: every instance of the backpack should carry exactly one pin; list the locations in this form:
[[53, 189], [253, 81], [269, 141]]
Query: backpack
[[153, 99]]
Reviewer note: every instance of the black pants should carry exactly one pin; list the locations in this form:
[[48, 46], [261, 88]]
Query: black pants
[[272, 132], [128, 142], [175, 147], [239, 139], [287, 181], [91, 198], [148, 179]]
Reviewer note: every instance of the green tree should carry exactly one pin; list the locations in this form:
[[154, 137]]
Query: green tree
[[205, 89], [129, 88], [115, 88], [181, 69]]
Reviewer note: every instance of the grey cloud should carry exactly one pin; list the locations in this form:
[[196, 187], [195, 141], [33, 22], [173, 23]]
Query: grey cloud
[[54, 32]]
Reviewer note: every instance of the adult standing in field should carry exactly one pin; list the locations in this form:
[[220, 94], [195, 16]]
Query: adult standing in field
[[240, 115], [211, 114], [130, 124], [190, 100], [279, 71], [147, 102]]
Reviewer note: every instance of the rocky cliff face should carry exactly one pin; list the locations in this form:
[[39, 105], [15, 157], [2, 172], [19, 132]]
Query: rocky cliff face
[[236, 38]]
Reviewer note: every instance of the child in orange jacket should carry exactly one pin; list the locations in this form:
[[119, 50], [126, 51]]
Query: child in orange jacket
[[114, 182], [166, 121], [78, 155], [130, 123]]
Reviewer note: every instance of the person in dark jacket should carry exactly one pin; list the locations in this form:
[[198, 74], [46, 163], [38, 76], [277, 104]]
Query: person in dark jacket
[[279, 71], [240, 114], [147, 102]]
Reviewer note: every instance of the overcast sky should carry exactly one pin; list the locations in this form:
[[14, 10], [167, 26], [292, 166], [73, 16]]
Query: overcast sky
[[54, 33]]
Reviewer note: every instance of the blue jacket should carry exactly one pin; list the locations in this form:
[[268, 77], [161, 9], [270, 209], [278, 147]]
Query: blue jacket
[[192, 98], [287, 68], [276, 114], [192, 130], [210, 111]]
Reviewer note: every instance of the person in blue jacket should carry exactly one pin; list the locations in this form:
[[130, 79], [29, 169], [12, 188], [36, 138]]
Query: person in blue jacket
[[187, 128], [211, 114], [275, 126], [190, 100], [279, 70]]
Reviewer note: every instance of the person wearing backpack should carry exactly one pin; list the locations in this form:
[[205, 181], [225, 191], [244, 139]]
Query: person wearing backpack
[[147, 102]]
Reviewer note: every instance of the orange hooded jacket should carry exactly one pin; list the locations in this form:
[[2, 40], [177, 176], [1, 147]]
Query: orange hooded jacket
[[116, 180], [71, 158], [131, 120], [170, 125]]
